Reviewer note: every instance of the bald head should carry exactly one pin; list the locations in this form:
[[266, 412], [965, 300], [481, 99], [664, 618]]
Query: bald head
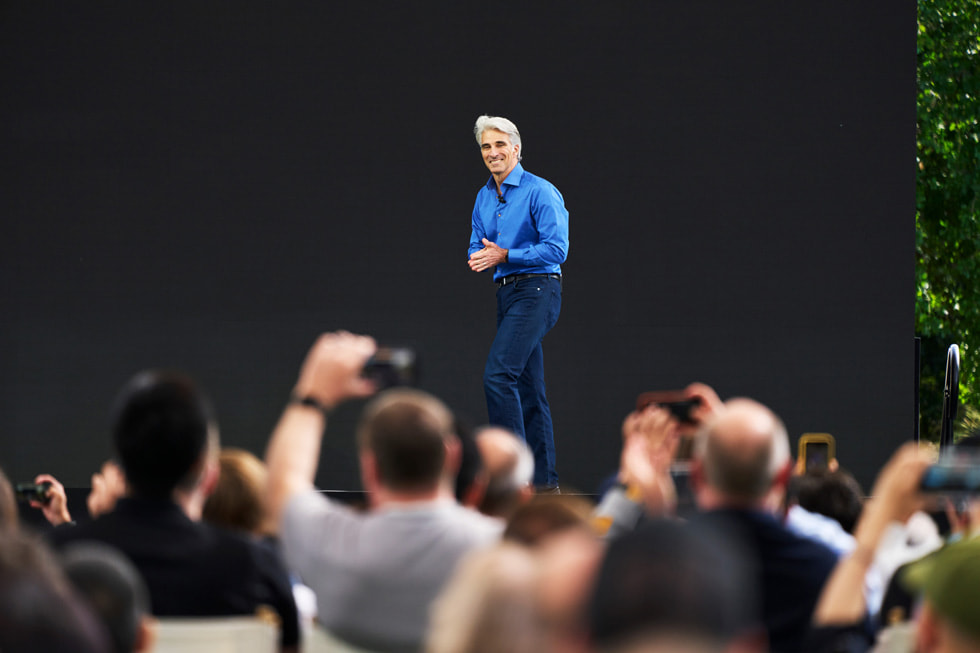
[[742, 450], [510, 469]]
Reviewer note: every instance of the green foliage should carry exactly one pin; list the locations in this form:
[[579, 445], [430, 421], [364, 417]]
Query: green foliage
[[947, 220]]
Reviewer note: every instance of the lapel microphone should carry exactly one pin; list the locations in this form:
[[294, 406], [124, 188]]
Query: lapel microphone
[[500, 198]]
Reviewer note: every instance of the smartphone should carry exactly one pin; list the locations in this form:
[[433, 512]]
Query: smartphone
[[392, 366], [816, 450], [676, 401]]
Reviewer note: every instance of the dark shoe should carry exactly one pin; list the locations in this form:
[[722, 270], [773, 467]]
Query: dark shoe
[[547, 489]]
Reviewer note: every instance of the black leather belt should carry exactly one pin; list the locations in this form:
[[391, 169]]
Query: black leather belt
[[517, 277]]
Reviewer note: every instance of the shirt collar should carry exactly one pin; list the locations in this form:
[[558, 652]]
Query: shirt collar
[[513, 179]]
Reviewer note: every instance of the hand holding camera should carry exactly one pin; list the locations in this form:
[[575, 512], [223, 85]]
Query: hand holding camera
[[391, 367], [47, 495]]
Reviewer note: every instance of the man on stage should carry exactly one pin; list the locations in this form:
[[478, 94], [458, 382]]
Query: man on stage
[[520, 228]]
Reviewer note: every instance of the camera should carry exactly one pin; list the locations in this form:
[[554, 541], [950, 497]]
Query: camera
[[957, 474], [33, 491], [676, 401], [392, 366]]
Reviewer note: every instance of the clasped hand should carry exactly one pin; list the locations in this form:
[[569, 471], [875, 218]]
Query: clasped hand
[[490, 256]]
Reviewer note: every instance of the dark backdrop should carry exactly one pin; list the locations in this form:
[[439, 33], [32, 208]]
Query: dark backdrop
[[209, 185]]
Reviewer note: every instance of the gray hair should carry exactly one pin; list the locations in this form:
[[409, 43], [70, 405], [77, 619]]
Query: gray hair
[[499, 123]]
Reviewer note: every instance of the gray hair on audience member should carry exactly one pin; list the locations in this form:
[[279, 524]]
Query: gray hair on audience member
[[502, 124], [521, 472], [488, 605]]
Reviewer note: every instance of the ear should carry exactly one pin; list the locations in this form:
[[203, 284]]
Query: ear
[[369, 471], [478, 489], [209, 478], [146, 634], [526, 494], [928, 633], [454, 455], [782, 477]]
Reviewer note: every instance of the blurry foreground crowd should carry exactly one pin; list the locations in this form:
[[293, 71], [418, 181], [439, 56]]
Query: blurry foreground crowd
[[709, 537]]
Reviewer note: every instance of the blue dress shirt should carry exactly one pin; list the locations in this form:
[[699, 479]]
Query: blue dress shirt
[[531, 222]]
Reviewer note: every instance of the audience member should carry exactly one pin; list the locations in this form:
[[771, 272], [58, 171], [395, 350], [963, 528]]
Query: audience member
[[510, 471], [236, 504], [949, 621], [832, 493], [921, 536], [765, 563], [9, 515], [545, 515], [739, 472], [669, 587], [949, 582], [115, 592], [654, 462], [38, 610], [644, 483], [488, 606], [819, 503], [471, 477], [376, 573], [166, 440], [568, 562]]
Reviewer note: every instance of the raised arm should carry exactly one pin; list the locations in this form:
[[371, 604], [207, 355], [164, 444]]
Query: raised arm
[[894, 498], [650, 439], [330, 374]]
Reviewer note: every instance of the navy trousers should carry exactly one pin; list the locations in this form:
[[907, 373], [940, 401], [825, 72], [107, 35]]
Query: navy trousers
[[514, 376]]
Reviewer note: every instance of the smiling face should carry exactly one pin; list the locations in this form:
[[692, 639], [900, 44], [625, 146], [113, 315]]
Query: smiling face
[[499, 153]]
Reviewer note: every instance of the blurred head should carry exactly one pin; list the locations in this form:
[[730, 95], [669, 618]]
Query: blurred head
[[163, 426], [236, 501], [742, 453], [9, 516], [545, 515], [114, 590], [568, 561], [667, 582], [38, 609], [471, 476], [407, 433], [949, 581], [835, 494], [510, 470], [488, 605]]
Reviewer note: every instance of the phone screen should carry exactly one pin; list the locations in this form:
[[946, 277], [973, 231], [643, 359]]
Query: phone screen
[[817, 455]]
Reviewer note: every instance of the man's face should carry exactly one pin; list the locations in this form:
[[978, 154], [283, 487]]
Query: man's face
[[499, 153]]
